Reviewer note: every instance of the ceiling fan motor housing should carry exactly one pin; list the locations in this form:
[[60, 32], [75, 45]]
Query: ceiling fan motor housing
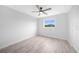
[[41, 7]]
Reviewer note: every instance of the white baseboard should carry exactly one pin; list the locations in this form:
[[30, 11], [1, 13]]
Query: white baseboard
[[29, 36], [73, 46]]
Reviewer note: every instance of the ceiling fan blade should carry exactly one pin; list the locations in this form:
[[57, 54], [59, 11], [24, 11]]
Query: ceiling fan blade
[[44, 13], [35, 11], [38, 7], [47, 9], [39, 14]]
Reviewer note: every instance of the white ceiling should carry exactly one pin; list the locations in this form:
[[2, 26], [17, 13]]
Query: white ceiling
[[56, 9]]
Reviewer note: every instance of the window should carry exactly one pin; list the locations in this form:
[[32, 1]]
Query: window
[[49, 23]]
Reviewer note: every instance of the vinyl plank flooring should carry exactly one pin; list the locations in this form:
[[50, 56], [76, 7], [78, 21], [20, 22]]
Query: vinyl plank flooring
[[40, 44]]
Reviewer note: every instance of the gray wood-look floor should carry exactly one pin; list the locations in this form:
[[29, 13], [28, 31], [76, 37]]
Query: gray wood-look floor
[[40, 44]]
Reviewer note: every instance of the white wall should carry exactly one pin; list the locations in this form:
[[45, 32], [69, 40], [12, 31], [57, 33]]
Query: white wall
[[59, 31], [15, 26], [74, 27]]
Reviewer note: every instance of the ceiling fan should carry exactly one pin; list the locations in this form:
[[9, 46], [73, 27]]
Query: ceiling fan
[[41, 10]]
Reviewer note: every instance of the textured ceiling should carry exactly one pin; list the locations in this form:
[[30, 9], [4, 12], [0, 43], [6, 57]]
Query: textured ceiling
[[56, 9]]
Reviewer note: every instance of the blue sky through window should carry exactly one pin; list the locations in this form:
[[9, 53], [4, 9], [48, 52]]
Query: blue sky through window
[[49, 21]]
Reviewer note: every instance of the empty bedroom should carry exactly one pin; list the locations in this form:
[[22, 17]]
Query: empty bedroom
[[39, 28]]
